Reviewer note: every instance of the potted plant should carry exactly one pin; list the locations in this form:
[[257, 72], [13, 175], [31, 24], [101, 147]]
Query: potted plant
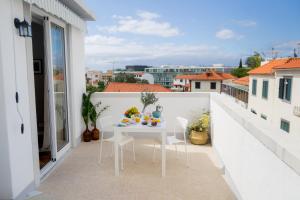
[[94, 115], [86, 108], [199, 130], [148, 98]]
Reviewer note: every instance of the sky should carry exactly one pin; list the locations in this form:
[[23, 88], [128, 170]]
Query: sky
[[190, 32]]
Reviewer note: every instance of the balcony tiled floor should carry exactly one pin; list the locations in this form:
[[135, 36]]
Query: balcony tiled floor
[[80, 176]]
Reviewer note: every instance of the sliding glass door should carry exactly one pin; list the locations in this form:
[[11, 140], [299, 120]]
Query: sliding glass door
[[59, 85]]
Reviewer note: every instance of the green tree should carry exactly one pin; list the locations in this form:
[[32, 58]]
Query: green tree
[[241, 64], [240, 72], [101, 86], [254, 61]]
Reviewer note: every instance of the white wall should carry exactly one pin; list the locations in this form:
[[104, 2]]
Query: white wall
[[189, 105], [285, 109], [255, 171], [17, 159], [205, 86], [77, 82], [259, 104]]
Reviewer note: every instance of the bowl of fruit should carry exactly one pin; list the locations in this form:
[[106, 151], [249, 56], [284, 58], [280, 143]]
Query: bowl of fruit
[[133, 111]]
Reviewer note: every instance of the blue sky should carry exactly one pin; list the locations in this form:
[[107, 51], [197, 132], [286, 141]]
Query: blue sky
[[192, 32]]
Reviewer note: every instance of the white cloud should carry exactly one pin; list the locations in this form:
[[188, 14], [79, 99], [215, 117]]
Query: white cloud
[[101, 52], [226, 34], [246, 23], [145, 23]]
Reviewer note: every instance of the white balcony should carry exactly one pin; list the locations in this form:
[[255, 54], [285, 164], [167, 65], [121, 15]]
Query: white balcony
[[246, 159]]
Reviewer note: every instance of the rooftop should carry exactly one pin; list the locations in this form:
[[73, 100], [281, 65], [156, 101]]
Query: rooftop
[[242, 81], [282, 63], [135, 87], [212, 75]]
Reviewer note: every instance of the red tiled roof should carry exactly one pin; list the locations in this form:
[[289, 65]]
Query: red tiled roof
[[135, 87], [290, 64], [242, 81], [282, 63], [212, 75]]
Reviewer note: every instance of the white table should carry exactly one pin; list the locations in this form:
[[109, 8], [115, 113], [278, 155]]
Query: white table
[[141, 129]]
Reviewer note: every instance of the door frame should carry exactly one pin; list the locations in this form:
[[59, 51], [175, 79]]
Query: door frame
[[48, 19]]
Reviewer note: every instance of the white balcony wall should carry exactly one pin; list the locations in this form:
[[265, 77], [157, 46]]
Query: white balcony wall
[[261, 163], [189, 105]]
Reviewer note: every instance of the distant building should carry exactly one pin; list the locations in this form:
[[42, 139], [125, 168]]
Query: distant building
[[164, 75], [136, 68], [139, 75], [93, 77], [205, 82], [107, 76], [135, 87], [274, 94]]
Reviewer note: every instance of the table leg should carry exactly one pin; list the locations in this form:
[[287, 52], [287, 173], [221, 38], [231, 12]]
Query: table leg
[[163, 154], [116, 138]]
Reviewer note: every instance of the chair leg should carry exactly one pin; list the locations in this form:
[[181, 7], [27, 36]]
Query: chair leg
[[100, 153], [122, 158], [153, 154], [133, 151]]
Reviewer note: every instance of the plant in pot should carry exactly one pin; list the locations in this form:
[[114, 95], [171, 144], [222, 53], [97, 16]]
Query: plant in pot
[[94, 115], [148, 98], [86, 108], [199, 130]]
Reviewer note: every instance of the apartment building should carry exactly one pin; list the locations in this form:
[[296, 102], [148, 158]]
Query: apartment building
[[205, 82], [274, 94], [93, 77], [165, 74]]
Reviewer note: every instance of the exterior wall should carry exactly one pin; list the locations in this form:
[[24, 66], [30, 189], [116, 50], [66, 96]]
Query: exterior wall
[[76, 82], [255, 159], [205, 86], [16, 149], [189, 105], [285, 109], [259, 104]]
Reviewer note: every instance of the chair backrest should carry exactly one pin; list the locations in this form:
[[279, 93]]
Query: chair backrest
[[105, 122], [183, 124]]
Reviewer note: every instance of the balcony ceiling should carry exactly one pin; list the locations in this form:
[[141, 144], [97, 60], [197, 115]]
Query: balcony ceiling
[[79, 7]]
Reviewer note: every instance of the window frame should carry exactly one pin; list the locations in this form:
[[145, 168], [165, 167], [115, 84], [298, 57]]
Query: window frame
[[285, 121], [267, 90], [284, 95], [215, 85], [254, 92], [197, 82]]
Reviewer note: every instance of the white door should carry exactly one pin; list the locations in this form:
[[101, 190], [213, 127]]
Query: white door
[[57, 75]]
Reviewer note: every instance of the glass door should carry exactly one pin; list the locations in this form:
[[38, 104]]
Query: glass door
[[59, 86]]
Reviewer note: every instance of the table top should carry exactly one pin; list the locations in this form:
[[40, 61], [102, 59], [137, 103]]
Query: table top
[[143, 128]]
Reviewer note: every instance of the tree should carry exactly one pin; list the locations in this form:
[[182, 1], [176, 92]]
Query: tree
[[99, 88], [128, 78], [254, 61], [295, 54], [240, 72], [241, 64]]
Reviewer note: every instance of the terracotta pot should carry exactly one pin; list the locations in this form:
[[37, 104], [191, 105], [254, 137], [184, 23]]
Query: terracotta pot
[[87, 136], [199, 137], [95, 134]]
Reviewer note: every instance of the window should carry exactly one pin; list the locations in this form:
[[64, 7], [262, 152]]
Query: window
[[213, 85], [254, 86], [253, 111], [181, 80], [265, 89], [285, 88], [285, 125], [197, 85], [263, 116]]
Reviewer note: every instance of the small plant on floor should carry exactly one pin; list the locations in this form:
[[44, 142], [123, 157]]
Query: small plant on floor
[[199, 129], [94, 115], [86, 109], [148, 98]]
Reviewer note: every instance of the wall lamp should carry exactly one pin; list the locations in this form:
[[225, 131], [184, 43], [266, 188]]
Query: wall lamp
[[24, 28]]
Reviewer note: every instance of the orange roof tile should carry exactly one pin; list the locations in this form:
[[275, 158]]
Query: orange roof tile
[[290, 64], [242, 81], [282, 63], [212, 75], [135, 87]]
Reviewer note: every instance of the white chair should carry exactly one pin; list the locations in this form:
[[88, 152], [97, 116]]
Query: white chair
[[107, 123], [173, 140]]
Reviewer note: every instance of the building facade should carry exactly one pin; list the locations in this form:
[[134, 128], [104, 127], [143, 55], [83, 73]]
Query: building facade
[[93, 77], [165, 75], [42, 78], [274, 94]]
